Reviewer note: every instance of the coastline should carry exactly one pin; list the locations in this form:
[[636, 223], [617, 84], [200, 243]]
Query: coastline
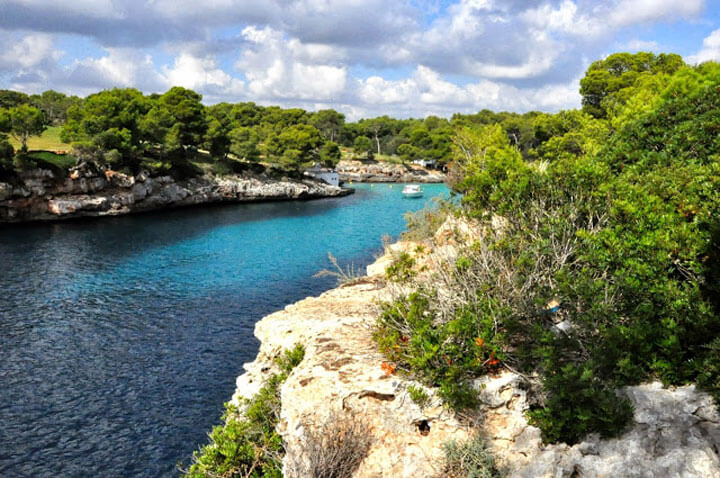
[[383, 172], [40, 196], [675, 431]]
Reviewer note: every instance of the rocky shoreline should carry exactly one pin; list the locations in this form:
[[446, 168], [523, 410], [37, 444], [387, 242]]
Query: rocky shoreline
[[40, 195], [383, 172], [676, 431]]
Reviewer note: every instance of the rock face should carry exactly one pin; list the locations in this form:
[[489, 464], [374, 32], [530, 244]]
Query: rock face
[[39, 196], [676, 431], [381, 172]]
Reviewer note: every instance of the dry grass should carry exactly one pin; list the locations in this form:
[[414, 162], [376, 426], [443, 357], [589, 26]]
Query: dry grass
[[334, 450], [345, 276]]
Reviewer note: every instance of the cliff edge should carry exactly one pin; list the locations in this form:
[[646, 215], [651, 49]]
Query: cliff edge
[[40, 195], [675, 431]]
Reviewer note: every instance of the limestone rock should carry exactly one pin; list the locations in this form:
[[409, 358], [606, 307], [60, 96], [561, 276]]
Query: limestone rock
[[382, 172], [91, 192], [675, 433]]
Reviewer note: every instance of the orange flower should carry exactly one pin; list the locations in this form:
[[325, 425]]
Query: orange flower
[[479, 341], [493, 362], [388, 368]]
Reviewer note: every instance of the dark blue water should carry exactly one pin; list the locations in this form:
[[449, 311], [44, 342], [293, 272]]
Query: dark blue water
[[120, 338]]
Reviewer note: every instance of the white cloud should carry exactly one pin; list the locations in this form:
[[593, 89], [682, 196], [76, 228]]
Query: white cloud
[[120, 67], [276, 68], [629, 12], [710, 49], [200, 74], [426, 92], [27, 52], [565, 18], [464, 55]]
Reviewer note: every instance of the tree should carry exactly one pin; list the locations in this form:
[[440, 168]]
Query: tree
[[296, 147], [54, 105], [606, 77], [182, 113], [330, 154], [26, 121], [363, 144], [6, 149], [329, 123], [377, 127], [244, 143], [109, 119], [10, 99]]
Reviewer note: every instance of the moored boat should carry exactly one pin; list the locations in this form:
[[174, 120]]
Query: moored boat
[[412, 191]]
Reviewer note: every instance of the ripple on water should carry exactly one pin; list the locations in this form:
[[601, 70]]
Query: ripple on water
[[121, 338]]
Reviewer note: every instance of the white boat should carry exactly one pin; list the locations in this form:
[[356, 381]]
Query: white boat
[[412, 191]]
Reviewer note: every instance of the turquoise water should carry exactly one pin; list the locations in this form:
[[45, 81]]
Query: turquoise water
[[120, 338]]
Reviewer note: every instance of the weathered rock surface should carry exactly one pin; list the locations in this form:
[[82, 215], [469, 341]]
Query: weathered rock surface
[[381, 172], [40, 196], [676, 431]]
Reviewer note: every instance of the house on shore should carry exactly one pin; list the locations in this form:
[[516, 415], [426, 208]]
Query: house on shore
[[328, 175], [425, 163]]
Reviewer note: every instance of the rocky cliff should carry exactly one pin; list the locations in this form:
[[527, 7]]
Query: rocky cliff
[[382, 172], [676, 431], [40, 195]]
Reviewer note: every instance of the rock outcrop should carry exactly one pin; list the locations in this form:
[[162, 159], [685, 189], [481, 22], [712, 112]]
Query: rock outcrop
[[40, 196], [383, 172], [675, 433]]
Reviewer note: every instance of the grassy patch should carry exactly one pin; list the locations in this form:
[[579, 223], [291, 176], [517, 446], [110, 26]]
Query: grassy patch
[[47, 158], [48, 141]]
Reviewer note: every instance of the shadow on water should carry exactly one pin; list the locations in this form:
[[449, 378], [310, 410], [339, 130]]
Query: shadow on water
[[92, 235]]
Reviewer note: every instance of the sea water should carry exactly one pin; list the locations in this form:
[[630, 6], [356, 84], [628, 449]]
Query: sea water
[[120, 338]]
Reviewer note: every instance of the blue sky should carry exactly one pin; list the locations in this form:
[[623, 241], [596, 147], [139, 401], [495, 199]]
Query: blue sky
[[361, 57]]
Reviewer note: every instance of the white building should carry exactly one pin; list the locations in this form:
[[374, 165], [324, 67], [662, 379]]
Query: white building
[[328, 175], [425, 162]]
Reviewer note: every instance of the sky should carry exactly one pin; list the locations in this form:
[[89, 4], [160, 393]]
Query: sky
[[364, 58]]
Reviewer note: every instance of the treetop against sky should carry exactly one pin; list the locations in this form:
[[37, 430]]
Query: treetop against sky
[[361, 57]]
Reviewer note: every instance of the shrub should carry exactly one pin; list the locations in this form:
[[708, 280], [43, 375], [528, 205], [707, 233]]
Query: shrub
[[422, 225], [622, 239], [470, 459], [334, 450], [419, 396], [401, 269], [247, 444]]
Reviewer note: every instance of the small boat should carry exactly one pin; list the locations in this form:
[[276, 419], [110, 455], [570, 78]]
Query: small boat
[[412, 191]]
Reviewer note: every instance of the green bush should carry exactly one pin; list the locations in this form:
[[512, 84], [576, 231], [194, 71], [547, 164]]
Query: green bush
[[401, 269], [247, 444], [624, 237], [419, 396]]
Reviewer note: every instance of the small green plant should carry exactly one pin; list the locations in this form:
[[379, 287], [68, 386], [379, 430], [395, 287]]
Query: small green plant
[[345, 276], [401, 270], [470, 459], [247, 444], [419, 396], [291, 358], [579, 404]]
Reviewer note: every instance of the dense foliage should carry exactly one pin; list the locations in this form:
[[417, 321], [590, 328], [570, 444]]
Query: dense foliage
[[247, 444], [603, 270]]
